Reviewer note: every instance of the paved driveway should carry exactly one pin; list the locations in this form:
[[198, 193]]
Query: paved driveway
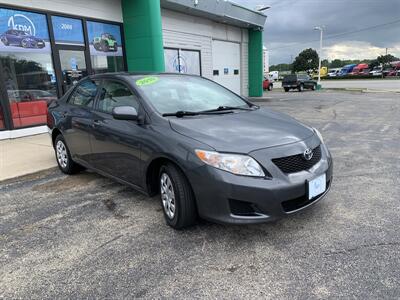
[[359, 84], [86, 236]]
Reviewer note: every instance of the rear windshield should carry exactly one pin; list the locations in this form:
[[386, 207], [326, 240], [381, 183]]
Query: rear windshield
[[290, 78]]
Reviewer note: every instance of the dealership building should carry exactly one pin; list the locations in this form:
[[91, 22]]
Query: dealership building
[[46, 46]]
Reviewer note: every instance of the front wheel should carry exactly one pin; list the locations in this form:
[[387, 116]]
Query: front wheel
[[286, 89], [177, 198], [24, 44], [314, 87], [270, 87], [64, 160], [301, 88]]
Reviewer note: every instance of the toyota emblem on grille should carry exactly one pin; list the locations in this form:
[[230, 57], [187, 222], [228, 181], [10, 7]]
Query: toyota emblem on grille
[[308, 154]]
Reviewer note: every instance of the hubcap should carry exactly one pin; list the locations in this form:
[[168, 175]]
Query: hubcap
[[62, 155], [167, 195]]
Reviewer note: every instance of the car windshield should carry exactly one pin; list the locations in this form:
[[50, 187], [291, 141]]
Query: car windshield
[[173, 93]]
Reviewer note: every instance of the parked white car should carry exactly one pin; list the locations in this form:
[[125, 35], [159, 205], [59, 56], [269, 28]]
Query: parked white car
[[333, 72], [377, 71]]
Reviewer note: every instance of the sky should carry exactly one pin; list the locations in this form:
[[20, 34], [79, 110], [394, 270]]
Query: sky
[[290, 23]]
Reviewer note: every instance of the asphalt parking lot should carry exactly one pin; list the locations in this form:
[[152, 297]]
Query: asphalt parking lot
[[86, 236]]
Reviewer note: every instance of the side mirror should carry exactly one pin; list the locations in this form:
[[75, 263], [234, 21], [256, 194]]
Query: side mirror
[[125, 113]]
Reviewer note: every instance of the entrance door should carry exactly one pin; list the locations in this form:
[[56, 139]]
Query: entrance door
[[71, 66], [226, 64]]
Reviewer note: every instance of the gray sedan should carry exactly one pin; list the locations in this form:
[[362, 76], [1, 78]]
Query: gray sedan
[[208, 152]]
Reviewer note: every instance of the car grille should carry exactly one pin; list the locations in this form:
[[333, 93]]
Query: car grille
[[297, 163]]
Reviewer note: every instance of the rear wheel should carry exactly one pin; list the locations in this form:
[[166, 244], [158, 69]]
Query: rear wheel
[[177, 198], [270, 87], [63, 156], [286, 89], [314, 87], [301, 87]]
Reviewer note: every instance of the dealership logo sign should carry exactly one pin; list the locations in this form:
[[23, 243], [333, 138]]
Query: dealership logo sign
[[22, 22]]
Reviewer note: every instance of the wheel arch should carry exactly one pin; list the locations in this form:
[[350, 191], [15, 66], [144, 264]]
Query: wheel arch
[[153, 169], [55, 132]]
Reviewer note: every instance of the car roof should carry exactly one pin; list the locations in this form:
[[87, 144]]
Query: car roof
[[127, 75]]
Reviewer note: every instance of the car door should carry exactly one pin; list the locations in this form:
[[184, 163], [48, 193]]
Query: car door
[[116, 143], [78, 114], [307, 81]]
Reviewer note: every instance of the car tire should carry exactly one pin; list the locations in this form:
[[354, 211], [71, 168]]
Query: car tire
[[23, 44], [301, 88], [177, 199], [286, 89], [270, 87], [63, 157], [314, 87]]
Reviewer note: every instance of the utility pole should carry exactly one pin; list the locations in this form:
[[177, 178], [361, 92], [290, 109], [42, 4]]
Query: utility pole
[[321, 30]]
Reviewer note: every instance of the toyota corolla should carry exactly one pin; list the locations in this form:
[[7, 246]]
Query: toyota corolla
[[206, 151]]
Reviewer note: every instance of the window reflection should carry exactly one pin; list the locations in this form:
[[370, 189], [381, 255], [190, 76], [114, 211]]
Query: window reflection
[[31, 86], [103, 64], [2, 123]]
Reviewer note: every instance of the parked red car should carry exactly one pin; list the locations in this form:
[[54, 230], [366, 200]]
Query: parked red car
[[360, 69], [267, 84]]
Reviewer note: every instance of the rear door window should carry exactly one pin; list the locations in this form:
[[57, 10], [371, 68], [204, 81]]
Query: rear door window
[[84, 94]]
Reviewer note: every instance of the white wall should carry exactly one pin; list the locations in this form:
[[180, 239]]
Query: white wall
[[190, 32], [101, 9]]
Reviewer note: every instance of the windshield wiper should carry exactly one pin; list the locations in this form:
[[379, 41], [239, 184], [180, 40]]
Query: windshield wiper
[[220, 109], [225, 108], [181, 113]]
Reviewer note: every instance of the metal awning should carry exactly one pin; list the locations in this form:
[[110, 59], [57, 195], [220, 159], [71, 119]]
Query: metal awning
[[218, 10]]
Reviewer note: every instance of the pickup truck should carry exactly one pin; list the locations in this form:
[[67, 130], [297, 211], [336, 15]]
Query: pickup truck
[[299, 82]]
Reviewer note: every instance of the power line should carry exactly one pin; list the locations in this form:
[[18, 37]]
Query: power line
[[334, 36]]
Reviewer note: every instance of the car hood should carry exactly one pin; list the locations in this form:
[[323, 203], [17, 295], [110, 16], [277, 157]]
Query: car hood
[[242, 131]]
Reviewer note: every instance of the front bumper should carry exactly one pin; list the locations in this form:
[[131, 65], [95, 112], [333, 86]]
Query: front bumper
[[227, 198]]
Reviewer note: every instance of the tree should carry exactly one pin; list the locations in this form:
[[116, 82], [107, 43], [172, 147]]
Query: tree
[[325, 63], [373, 63], [281, 67], [386, 59], [306, 60], [336, 63]]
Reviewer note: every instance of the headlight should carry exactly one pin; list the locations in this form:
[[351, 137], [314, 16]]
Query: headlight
[[233, 163], [319, 135]]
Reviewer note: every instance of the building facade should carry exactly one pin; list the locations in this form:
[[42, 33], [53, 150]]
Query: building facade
[[47, 46]]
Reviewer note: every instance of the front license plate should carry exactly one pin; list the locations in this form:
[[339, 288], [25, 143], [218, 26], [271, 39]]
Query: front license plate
[[316, 186]]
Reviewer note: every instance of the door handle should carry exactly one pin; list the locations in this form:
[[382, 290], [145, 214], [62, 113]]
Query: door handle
[[96, 123]]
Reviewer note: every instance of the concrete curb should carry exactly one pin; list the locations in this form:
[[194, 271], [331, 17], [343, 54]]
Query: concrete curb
[[35, 174]]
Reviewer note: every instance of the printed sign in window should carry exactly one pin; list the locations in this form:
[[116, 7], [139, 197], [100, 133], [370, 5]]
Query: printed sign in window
[[104, 39], [22, 31], [67, 31]]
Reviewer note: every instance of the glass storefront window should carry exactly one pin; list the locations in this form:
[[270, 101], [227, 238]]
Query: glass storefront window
[[105, 44], [25, 55], [30, 84], [182, 61], [67, 31]]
